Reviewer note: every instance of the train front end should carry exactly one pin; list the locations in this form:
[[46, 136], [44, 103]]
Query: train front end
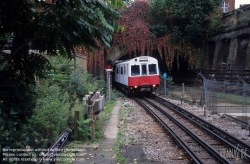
[[144, 74]]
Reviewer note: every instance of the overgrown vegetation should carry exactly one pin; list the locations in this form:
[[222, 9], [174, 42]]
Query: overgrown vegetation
[[172, 29], [124, 112], [50, 28], [57, 96]]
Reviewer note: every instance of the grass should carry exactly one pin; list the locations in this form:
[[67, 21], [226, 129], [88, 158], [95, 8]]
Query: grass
[[99, 127], [103, 153], [118, 145], [124, 112]]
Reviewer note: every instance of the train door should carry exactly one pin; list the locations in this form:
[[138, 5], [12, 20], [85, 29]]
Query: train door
[[144, 74], [135, 75], [126, 74], [122, 74], [117, 74]]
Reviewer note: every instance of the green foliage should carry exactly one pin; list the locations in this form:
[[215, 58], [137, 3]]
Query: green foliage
[[84, 128], [169, 80], [47, 120], [51, 113], [16, 104], [157, 17], [115, 94], [48, 28], [189, 20]]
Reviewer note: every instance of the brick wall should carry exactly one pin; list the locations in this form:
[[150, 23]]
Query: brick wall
[[231, 4]]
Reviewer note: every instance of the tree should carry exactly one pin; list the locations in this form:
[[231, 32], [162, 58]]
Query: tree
[[134, 37], [182, 27], [173, 28], [51, 27]]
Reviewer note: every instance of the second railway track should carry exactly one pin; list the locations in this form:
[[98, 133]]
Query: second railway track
[[203, 142]]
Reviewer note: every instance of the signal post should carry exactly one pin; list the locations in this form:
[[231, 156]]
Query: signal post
[[109, 70]]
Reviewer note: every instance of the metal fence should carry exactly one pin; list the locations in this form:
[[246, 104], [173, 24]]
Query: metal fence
[[218, 96], [188, 93], [226, 97]]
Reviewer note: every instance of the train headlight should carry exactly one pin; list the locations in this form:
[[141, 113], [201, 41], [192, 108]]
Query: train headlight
[[154, 85], [135, 86]]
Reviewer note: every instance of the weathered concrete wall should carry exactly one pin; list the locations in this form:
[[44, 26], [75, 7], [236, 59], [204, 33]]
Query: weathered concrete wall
[[232, 48], [115, 53], [233, 45]]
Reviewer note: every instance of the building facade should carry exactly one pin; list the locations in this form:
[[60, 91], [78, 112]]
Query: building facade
[[227, 5]]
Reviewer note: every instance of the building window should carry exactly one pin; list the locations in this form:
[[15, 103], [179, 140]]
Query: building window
[[224, 7]]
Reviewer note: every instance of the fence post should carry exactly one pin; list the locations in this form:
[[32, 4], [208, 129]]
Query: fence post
[[182, 97], [76, 118], [203, 90], [92, 124], [165, 87], [204, 107], [244, 110], [164, 77]]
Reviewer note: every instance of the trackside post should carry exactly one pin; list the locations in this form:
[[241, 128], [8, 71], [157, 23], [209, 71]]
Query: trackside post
[[109, 69]]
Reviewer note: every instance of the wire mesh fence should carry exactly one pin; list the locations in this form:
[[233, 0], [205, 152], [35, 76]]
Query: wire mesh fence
[[226, 97], [189, 93]]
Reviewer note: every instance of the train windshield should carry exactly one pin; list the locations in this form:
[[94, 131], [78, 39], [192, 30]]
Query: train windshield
[[152, 69], [135, 70]]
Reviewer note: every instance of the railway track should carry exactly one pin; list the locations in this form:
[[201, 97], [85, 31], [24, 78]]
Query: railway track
[[55, 148], [202, 141]]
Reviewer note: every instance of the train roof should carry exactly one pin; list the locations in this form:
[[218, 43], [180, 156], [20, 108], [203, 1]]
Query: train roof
[[140, 58]]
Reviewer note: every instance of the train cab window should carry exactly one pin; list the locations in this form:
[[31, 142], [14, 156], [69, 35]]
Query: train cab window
[[144, 69], [152, 69], [135, 70], [117, 72]]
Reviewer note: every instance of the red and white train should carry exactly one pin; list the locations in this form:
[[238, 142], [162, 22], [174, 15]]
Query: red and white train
[[140, 74]]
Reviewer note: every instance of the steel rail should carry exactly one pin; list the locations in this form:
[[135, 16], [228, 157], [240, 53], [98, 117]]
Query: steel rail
[[225, 137], [55, 148], [191, 154], [237, 120], [206, 146]]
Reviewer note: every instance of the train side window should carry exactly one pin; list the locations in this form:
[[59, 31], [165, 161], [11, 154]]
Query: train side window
[[135, 70], [152, 69], [144, 69], [125, 67], [121, 70]]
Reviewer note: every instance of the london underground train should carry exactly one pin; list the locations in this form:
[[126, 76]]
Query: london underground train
[[140, 74]]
